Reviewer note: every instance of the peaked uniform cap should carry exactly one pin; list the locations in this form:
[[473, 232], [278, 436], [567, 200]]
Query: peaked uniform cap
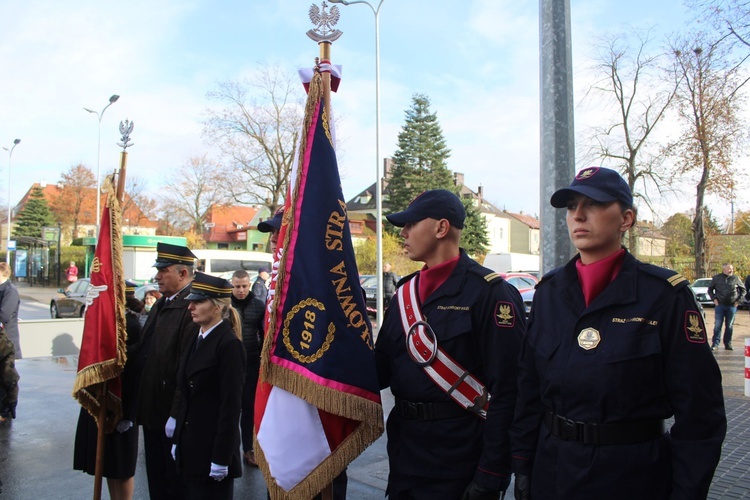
[[168, 255], [130, 287], [205, 286]]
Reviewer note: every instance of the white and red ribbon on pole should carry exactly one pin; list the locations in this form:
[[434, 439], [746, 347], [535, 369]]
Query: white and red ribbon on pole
[[422, 345]]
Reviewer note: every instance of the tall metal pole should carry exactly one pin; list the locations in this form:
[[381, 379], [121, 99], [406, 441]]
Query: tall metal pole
[[378, 164], [557, 149], [99, 115], [7, 240]]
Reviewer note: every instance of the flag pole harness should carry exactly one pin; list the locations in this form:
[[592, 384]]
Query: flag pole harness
[[422, 345]]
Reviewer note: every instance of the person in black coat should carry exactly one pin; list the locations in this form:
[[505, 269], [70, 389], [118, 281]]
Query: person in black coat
[[615, 347], [121, 445], [251, 308], [206, 446]]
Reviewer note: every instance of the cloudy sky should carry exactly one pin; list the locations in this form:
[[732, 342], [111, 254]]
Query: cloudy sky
[[477, 60]]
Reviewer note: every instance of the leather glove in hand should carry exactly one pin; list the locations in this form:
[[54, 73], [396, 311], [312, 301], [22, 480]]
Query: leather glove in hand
[[169, 427], [476, 492], [522, 490], [219, 472], [124, 425]]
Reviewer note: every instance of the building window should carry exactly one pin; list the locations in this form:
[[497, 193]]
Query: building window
[[223, 246]]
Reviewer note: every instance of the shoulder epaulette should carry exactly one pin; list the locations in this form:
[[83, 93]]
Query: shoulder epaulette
[[672, 277], [548, 276], [486, 274]]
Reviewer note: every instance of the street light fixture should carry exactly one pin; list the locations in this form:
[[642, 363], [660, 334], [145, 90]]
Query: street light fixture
[[99, 115], [7, 241], [378, 166]]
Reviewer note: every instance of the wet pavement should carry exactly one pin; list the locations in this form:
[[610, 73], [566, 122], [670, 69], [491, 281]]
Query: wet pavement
[[36, 450]]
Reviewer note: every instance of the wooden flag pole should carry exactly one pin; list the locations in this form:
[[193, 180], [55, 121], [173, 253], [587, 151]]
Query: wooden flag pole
[[100, 423], [121, 178]]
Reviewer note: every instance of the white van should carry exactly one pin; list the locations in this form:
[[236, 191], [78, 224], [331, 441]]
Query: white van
[[224, 262]]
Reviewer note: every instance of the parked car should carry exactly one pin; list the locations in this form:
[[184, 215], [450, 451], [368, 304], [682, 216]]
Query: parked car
[[370, 286], [70, 302], [528, 298], [700, 289], [522, 281]]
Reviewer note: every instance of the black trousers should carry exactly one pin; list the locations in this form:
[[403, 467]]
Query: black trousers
[[208, 489], [248, 403], [163, 482], [402, 487]]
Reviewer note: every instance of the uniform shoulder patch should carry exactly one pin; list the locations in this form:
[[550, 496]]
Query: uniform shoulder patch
[[695, 328], [505, 314], [672, 277]]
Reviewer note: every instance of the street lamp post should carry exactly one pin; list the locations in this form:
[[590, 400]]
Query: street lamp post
[[378, 165], [99, 115], [7, 241]]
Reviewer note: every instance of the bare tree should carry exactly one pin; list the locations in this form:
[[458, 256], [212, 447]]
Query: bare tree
[[731, 18], [77, 185], [191, 191], [709, 107], [258, 131], [630, 81]]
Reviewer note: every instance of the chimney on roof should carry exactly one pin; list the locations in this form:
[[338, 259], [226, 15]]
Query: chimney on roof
[[480, 194], [43, 183], [458, 178]]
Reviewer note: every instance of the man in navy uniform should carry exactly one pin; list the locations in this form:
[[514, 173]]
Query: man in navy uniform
[[167, 333], [448, 350]]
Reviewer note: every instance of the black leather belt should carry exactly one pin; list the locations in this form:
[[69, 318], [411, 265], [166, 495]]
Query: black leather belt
[[603, 434], [429, 411]]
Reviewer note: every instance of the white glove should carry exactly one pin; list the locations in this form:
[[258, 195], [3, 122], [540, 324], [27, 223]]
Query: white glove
[[174, 452], [124, 425], [219, 472], [169, 427]]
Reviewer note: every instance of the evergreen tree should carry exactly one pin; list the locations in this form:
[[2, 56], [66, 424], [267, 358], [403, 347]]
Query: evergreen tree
[[420, 161], [474, 237], [34, 215]]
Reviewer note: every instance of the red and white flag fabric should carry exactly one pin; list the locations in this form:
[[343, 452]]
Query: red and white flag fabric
[[102, 355], [318, 401]]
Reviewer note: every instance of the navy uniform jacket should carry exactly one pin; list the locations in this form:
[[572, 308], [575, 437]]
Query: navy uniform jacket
[[210, 383], [462, 314], [167, 334], [652, 362]]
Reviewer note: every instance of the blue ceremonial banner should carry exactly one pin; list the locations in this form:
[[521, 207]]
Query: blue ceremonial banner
[[318, 402]]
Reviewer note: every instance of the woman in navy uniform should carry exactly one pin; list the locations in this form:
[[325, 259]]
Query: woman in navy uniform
[[614, 348], [210, 378]]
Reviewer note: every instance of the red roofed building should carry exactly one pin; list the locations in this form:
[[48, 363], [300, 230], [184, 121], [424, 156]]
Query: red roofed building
[[235, 227]]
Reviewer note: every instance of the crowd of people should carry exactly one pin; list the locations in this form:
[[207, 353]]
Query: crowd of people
[[573, 402]]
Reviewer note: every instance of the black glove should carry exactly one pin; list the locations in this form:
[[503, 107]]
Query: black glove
[[522, 490], [476, 492]]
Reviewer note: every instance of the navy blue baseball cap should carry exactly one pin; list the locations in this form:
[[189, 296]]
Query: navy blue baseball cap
[[274, 223], [598, 183], [432, 204]]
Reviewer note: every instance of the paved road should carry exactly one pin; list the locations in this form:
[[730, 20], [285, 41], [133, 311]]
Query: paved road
[[36, 450]]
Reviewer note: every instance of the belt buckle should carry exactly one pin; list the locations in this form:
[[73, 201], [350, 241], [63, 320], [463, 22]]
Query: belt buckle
[[410, 410], [569, 429]]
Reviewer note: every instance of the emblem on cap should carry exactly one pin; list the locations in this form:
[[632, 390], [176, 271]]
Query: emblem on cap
[[586, 173], [589, 338]]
